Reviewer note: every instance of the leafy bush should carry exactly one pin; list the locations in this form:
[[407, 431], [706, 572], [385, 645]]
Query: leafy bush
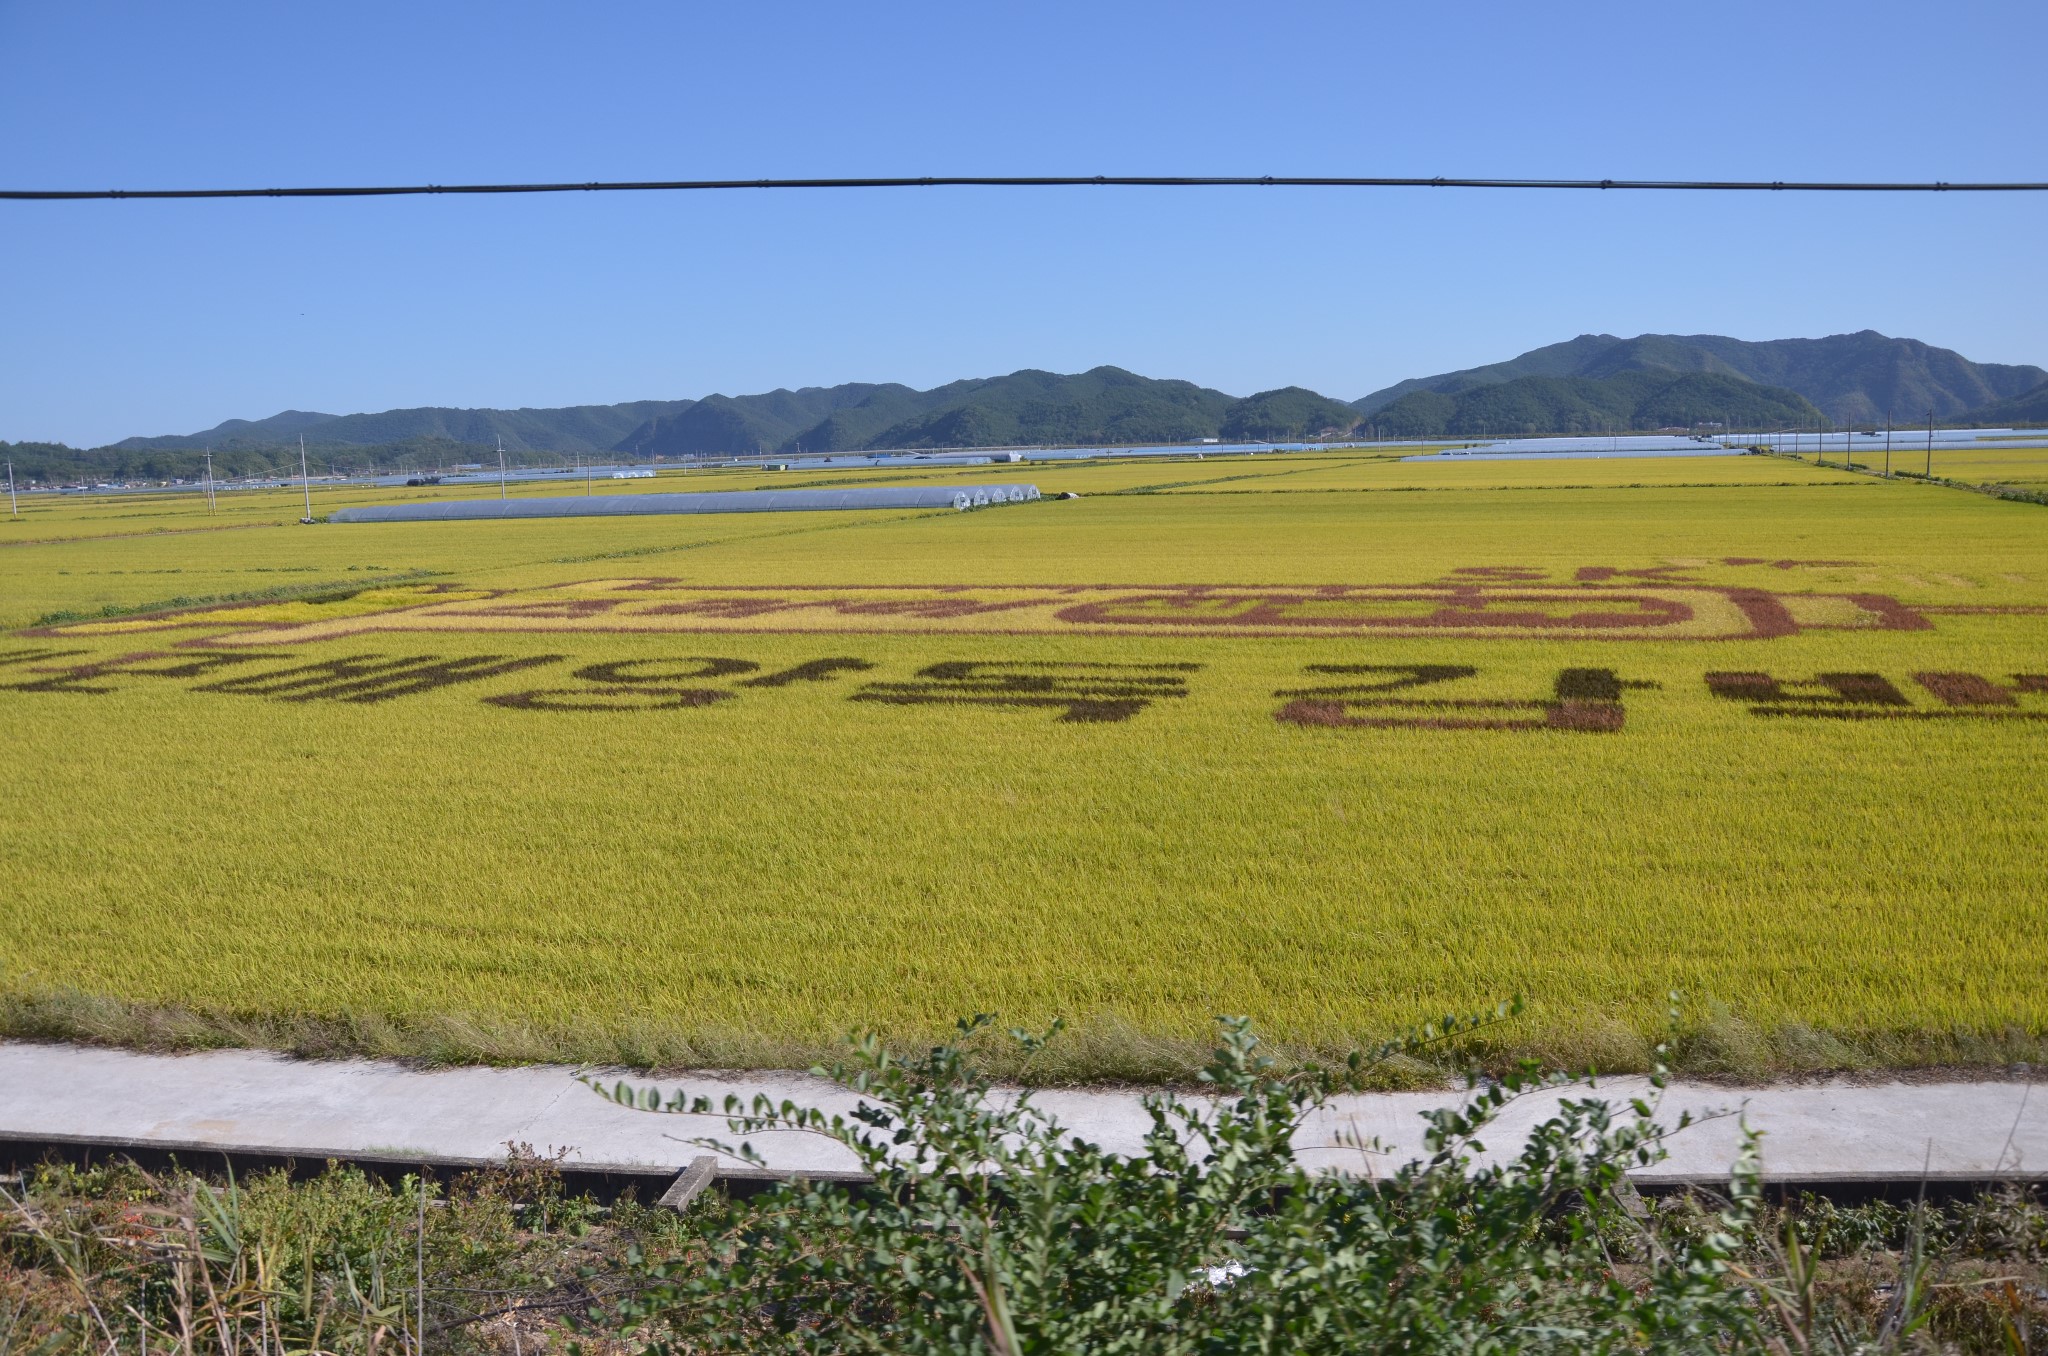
[[990, 1228]]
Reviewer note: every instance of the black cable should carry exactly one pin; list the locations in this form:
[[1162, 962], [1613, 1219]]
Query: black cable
[[998, 181]]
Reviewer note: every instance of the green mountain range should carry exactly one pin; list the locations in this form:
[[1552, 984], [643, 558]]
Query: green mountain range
[[1852, 378], [1104, 405], [1596, 382], [575, 428], [1625, 401]]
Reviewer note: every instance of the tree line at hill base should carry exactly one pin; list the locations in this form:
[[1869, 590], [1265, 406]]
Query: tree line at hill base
[[47, 464]]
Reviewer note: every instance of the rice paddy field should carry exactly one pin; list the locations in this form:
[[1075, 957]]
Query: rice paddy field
[[1337, 741]]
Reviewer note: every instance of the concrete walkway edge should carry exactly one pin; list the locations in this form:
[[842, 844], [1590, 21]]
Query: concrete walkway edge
[[256, 1102]]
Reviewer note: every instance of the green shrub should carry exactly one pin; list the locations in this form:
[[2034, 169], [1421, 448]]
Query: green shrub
[[989, 1228]]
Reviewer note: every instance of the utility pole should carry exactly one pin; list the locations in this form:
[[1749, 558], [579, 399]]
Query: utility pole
[[305, 480], [501, 469], [1887, 444], [13, 504], [1930, 442], [209, 480]]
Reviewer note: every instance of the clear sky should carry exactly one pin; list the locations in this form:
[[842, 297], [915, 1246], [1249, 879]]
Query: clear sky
[[122, 318]]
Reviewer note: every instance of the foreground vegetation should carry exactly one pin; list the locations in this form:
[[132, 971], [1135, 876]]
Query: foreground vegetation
[[989, 1229], [732, 842]]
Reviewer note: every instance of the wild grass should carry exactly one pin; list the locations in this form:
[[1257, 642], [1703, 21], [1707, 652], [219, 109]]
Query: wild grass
[[742, 882], [115, 1259]]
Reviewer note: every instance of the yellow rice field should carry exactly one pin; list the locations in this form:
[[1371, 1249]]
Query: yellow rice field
[[1333, 740]]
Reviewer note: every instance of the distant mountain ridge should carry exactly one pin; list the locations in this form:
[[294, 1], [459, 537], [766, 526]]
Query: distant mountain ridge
[[1634, 401], [1102, 405], [1851, 378], [1848, 378], [574, 428]]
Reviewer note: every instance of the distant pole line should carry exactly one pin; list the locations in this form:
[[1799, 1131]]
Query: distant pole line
[[1023, 181]]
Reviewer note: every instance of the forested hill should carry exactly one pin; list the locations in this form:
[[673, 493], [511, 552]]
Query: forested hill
[[1107, 404], [1104, 405], [1625, 401], [2030, 408], [575, 428], [1851, 378]]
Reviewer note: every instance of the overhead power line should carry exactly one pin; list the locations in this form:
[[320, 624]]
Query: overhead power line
[[1021, 181]]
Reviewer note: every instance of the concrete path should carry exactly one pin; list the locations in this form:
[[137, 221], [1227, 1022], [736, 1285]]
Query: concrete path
[[315, 1109]]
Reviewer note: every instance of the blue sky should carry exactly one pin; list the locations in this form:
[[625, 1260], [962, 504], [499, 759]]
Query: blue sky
[[120, 318]]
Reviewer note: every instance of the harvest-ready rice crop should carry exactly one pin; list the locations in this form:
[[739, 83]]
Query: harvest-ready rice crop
[[1988, 463], [1411, 739]]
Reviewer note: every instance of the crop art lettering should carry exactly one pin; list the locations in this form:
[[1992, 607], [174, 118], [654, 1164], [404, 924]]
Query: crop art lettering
[[12, 657], [1081, 693], [655, 684], [357, 678], [1872, 696], [371, 678], [1386, 610], [101, 676], [1664, 602], [810, 671], [1588, 701]]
